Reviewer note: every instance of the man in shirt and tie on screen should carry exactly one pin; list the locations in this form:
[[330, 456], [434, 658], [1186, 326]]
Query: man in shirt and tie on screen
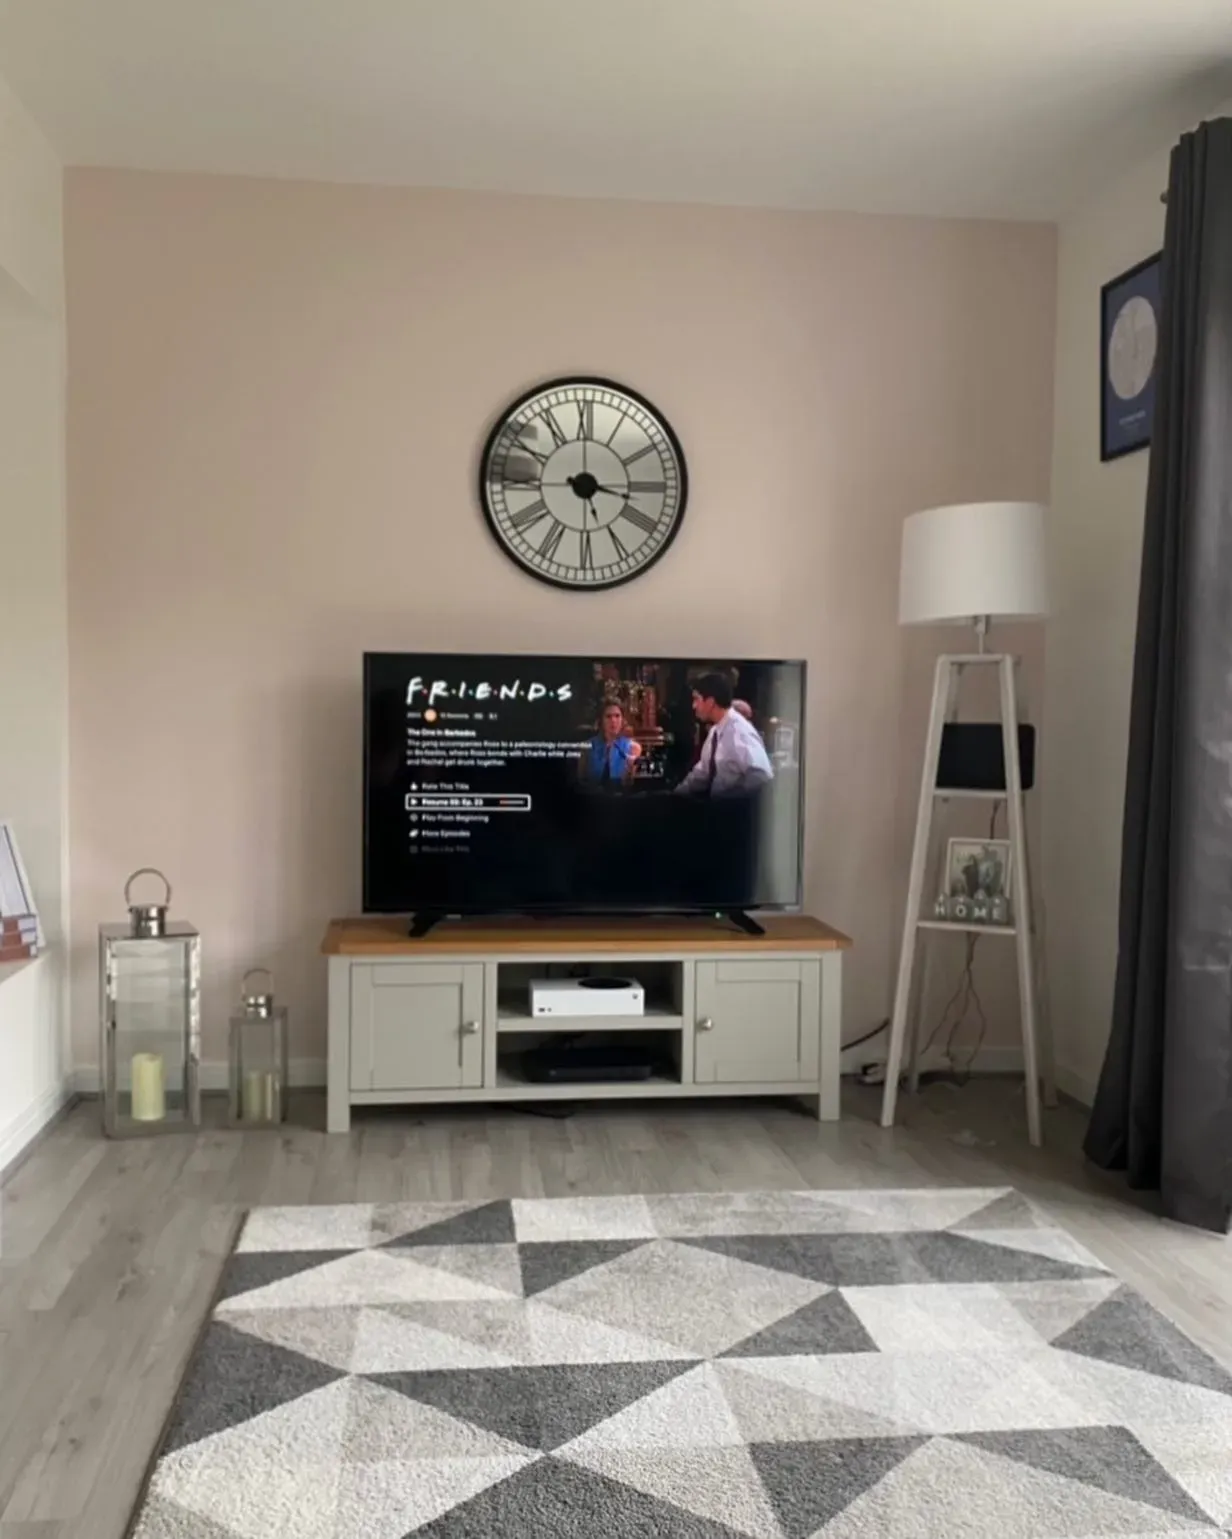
[[733, 760]]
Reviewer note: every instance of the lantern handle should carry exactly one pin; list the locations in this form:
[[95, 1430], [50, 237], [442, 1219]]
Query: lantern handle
[[254, 972], [147, 871]]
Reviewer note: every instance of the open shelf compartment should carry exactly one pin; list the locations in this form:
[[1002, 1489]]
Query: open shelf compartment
[[663, 982], [518, 1051]]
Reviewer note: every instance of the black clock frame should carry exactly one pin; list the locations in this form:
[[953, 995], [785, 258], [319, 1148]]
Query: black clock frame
[[596, 382]]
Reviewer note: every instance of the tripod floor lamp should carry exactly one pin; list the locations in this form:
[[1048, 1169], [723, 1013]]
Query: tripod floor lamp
[[972, 564]]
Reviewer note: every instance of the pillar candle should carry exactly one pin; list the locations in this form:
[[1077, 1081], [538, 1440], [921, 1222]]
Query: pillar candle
[[253, 1098], [149, 1093]]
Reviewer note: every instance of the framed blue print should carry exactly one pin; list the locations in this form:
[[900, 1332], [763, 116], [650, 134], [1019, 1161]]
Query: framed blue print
[[1129, 351]]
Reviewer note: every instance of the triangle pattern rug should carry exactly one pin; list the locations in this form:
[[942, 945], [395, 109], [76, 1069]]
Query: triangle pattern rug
[[788, 1366]]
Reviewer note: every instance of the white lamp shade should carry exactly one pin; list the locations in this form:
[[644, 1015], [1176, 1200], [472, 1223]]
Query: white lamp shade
[[974, 559]]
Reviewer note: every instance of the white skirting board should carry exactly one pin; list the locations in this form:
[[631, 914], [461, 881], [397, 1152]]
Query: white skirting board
[[306, 1074], [991, 1060], [1076, 1086], [22, 1132], [309, 1074], [33, 1086]]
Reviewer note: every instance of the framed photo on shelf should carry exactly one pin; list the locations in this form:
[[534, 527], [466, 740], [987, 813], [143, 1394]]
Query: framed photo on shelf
[[1129, 352], [978, 866]]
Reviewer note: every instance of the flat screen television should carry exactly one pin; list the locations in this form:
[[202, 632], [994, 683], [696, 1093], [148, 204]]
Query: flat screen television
[[550, 784]]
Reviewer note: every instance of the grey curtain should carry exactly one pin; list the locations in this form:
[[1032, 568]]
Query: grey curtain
[[1164, 1108]]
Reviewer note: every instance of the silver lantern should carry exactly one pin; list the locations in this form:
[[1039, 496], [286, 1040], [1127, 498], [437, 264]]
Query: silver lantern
[[259, 1056], [150, 1019]]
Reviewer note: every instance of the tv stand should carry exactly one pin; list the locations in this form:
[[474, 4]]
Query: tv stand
[[744, 921], [444, 1018]]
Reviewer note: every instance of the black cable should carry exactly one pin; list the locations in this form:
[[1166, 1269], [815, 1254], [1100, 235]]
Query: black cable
[[867, 1037], [965, 996], [970, 997], [954, 999], [967, 988], [963, 1075]]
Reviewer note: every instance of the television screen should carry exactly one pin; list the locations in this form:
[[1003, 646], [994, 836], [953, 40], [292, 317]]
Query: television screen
[[518, 783]]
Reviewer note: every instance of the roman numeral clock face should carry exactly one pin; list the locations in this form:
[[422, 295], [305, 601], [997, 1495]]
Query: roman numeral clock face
[[583, 483]]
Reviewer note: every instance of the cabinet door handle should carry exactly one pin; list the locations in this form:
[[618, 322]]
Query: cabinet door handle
[[705, 1024], [470, 1028]]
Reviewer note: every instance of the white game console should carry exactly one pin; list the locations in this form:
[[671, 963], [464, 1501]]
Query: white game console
[[586, 996]]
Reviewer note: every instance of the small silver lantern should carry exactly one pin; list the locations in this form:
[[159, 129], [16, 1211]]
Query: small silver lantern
[[259, 1056], [150, 1019]]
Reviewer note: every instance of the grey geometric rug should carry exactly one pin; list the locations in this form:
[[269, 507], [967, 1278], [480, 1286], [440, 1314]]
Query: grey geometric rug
[[773, 1366]]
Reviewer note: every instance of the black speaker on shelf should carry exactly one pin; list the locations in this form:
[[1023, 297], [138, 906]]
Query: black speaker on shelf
[[973, 756]]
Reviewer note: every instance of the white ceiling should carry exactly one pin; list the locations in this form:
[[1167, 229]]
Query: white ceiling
[[1007, 108]]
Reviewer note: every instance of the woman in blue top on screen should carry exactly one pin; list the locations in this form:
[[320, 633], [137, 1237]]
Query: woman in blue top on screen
[[609, 757]]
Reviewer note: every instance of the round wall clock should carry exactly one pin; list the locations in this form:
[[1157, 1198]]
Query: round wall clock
[[583, 483]]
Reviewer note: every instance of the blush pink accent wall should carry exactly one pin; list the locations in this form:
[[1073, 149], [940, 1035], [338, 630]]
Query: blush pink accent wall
[[277, 396]]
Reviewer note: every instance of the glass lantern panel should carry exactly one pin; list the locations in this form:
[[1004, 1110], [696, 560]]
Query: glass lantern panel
[[152, 1010], [259, 1065]]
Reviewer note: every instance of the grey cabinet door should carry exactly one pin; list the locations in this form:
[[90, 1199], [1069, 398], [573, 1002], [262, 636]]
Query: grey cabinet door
[[416, 1026], [757, 1023]]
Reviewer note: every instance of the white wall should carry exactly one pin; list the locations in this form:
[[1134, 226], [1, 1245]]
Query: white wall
[[1096, 538], [272, 440], [33, 613], [31, 227], [1095, 549]]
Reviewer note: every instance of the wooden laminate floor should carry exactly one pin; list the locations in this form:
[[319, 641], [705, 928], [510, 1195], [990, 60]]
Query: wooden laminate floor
[[109, 1253]]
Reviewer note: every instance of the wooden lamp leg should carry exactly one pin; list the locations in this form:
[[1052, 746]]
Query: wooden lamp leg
[[1043, 1012], [1021, 890], [915, 892], [1039, 941], [935, 864]]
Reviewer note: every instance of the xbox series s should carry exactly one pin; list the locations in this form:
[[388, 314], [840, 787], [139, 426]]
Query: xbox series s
[[586, 996]]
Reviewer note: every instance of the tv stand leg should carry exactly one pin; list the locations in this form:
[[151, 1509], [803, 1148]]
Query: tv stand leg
[[745, 922], [423, 922]]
